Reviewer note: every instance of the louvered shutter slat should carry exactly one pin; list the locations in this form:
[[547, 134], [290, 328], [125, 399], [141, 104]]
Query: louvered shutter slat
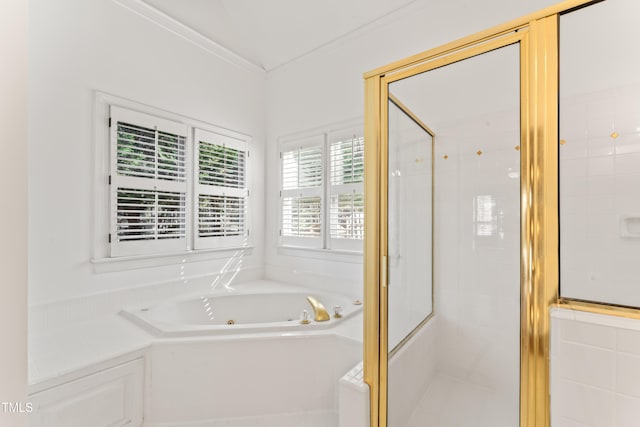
[[221, 216], [302, 168], [221, 166], [222, 203], [301, 216], [148, 183], [347, 216], [347, 161], [346, 211]]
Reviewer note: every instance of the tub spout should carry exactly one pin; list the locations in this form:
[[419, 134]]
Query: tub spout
[[320, 313]]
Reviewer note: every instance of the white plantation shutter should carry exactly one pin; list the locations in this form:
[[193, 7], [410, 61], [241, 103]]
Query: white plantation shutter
[[302, 204], [221, 190], [346, 190], [148, 184]]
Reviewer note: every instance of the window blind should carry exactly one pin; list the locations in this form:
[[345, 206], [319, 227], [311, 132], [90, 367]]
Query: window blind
[[221, 166], [220, 216], [150, 215], [301, 216], [302, 168], [347, 216], [221, 190], [148, 184], [302, 193], [347, 161], [346, 211]]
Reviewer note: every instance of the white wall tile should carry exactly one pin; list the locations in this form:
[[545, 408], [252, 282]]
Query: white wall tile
[[587, 365], [588, 405], [566, 422], [588, 334], [628, 375], [627, 411], [627, 163], [628, 341], [601, 165], [602, 146], [595, 369]]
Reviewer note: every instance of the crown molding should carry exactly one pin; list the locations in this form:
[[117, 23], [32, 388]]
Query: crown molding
[[170, 24]]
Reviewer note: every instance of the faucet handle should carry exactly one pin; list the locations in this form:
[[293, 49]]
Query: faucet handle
[[337, 311], [305, 317]]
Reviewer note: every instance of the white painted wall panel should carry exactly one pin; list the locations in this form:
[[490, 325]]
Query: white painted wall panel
[[326, 87], [13, 187], [79, 47]]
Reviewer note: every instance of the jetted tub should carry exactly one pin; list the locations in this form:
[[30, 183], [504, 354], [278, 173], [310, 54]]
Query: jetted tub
[[248, 308]]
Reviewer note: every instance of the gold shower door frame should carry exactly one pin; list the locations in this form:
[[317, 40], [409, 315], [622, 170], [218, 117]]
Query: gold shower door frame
[[537, 36]]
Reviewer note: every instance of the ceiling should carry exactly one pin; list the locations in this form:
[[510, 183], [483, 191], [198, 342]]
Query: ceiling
[[274, 32]]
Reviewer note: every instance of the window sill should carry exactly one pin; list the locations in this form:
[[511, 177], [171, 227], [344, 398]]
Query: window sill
[[340, 255], [171, 258]]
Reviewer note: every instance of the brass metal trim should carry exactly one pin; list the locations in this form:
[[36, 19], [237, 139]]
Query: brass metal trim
[[411, 114], [598, 308], [371, 356], [479, 37], [459, 55], [539, 215], [411, 334]]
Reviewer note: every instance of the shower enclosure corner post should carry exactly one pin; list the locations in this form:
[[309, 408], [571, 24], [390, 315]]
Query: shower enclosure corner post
[[539, 215], [374, 372]]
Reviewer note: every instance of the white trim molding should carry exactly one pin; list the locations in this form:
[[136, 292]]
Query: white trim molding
[[176, 27]]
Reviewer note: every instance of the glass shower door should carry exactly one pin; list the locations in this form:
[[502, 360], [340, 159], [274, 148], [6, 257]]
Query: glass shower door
[[410, 212], [460, 367]]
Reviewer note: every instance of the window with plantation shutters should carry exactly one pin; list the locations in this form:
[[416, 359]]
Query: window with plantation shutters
[[302, 198], [322, 191], [148, 184], [346, 191], [220, 190], [166, 186]]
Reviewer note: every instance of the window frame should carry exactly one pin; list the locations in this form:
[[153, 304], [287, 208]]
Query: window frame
[[294, 245], [101, 256]]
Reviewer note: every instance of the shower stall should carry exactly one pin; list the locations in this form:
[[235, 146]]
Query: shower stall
[[462, 253]]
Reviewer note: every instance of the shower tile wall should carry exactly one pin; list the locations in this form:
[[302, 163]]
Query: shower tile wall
[[477, 262], [595, 370], [600, 195]]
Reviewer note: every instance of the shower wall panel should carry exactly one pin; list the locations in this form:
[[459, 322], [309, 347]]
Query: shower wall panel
[[600, 153], [477, 253]]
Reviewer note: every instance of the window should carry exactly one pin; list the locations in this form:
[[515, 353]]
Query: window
[[174, 187], [221, 190], [322, 193], [346, 221]]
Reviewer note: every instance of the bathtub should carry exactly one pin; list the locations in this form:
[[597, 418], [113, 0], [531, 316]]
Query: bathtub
[[249, 308]]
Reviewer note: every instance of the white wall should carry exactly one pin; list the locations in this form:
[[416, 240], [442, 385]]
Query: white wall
[[79, 47], [13, 187], [326, 87]]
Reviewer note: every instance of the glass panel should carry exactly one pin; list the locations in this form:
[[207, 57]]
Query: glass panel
[[600, 153], [410, 225], [462, 368]]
